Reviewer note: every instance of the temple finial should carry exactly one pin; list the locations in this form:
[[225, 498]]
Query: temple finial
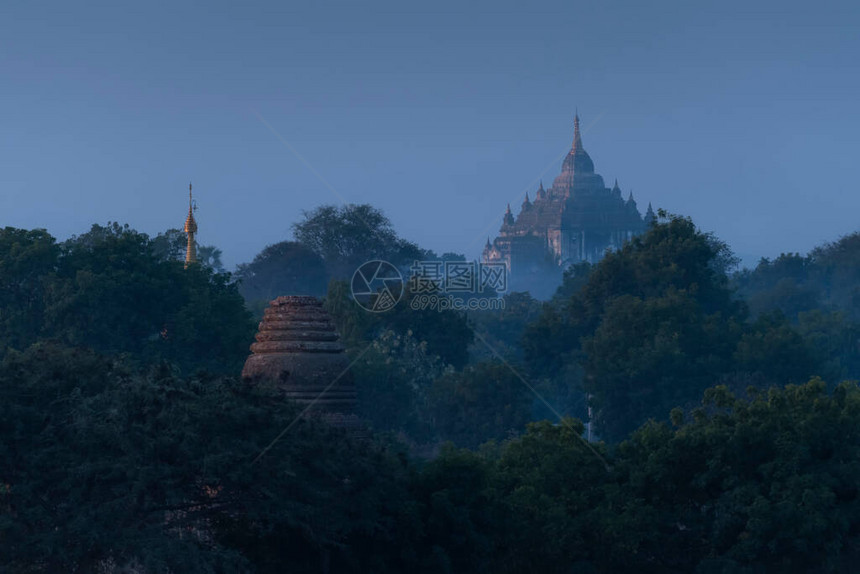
[[190, 231], [577, 137], [649, 215], [509, 217]]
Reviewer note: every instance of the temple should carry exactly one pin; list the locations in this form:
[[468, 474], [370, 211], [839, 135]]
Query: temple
[[298, 349], [190, 232], [577, 219]]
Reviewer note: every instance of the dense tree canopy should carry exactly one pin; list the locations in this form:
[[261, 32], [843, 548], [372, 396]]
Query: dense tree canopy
[[113, 293], [102, 465], [653, 325], [817, 293], [128, 444], [767, 484], [285, 268], [28, 261], [350, 235], [446, 333], [485, 401], [112, 290]]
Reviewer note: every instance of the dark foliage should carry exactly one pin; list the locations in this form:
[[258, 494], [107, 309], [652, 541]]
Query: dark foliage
[[348, 236], [110, 289], [285, 268]]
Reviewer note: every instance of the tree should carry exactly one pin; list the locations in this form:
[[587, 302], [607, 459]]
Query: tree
[[393, 378], [101, 465], [837, 271], [784, 284], [486, 401], [834, 341], [502, 329], [561, 506], [648, 355], [766, 484], [114, 294], [348, 236], [773, 348], [28, 261], [285, 268], [654, 325], [574, 279], [172, 244], [447, 333]]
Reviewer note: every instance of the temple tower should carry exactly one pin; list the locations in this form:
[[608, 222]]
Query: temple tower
[[299, 349], [576, 220], [191, 232]]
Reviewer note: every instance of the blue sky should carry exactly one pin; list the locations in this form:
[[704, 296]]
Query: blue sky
[[742, 115]]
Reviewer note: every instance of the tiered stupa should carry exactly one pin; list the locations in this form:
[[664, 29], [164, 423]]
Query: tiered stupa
[[298, 348]]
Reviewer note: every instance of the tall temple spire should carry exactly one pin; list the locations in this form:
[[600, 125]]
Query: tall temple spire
[[191, 232], [577, 170], [577, 137]]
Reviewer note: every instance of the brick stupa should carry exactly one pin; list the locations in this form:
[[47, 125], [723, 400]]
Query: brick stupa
[[299, 349]]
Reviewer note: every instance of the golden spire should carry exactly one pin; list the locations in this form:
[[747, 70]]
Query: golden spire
[[190, 231]]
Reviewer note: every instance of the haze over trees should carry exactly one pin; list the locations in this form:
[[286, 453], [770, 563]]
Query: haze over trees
[[727, 441]]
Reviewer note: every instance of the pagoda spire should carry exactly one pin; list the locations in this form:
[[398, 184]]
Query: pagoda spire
[[649, 215], [191, 232], [577, 136], [527, 203], [509, 217]]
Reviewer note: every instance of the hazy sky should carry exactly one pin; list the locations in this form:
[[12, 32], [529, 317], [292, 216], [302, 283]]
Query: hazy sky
[[743, 115]]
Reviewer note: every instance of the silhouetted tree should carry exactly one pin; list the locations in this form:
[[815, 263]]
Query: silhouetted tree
[[285, 268], [113, 293], [350, 235]]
